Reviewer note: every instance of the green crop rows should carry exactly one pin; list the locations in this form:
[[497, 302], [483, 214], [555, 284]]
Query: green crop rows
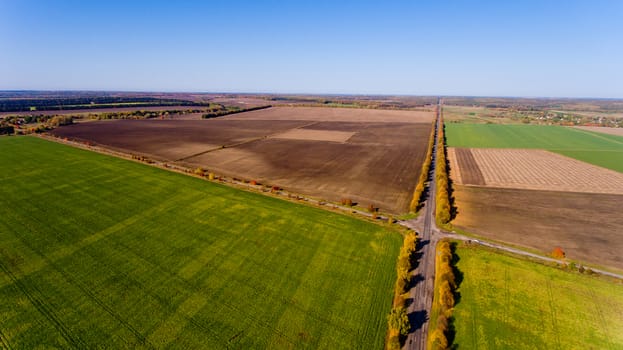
[[511, 303], [102, 252], [591, 147]]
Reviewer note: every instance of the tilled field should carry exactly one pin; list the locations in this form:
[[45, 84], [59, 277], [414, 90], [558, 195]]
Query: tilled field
[[337, 115], [531, 169], [586, 225], [172, 139], [328, 153]]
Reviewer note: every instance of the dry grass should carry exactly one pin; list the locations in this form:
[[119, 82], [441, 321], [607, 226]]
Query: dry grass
[[535, 170]]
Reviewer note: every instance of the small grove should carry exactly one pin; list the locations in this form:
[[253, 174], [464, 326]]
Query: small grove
[[398, 321], [443, 305]]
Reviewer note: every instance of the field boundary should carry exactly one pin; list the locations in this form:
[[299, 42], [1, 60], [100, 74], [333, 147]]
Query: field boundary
[[233, 182]]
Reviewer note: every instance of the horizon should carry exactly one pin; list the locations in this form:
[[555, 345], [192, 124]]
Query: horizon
[[560, 49]]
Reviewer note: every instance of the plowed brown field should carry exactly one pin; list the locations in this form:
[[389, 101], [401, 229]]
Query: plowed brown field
[[532, 169], [586, 225], [336, 115], [370, 156]]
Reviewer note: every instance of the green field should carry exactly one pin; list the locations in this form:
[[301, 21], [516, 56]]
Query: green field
[[595, 148], [102, 252], [511, 303]]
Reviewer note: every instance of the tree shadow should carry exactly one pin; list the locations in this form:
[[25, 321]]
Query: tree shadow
[[458, 274], [417, 255], [417, 319], [408, 302], [453, 208], [415, 280]]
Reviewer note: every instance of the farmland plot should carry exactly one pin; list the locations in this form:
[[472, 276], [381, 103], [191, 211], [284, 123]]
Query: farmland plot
[[102, 252], [531, 169], [511, 303], [372, 157]]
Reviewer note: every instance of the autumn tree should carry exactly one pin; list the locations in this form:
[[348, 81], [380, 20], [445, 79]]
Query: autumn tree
[[558, 253], [398, 321]]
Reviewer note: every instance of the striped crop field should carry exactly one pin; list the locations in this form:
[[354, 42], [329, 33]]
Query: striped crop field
[[103, 252], [595, 148]]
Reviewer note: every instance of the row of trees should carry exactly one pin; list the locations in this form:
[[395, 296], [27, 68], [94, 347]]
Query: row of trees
[[443, 207], [398, 321], [230, 110], [445, 283], [6, 129], [419, 188]]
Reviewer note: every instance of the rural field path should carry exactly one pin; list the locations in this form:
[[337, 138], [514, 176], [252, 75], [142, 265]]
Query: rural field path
[[420, 298], [518, 251]]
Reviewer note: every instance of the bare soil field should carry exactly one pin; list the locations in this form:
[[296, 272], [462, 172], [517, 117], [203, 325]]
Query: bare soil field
[[296, 148], [337, 115], [531, 169], [586, 225], [378, 165], [604, 130], [315, 135], [172, 139]]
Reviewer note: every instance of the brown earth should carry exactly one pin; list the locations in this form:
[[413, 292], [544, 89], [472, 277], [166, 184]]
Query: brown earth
[[586, 225], [532, 169], [373, 163], [378, 165], [336, 115], [172, 139], [470, 172], [315, 135]]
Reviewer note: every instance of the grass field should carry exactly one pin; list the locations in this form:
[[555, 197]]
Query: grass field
[[595, 148], [102, 252], [511, 303]]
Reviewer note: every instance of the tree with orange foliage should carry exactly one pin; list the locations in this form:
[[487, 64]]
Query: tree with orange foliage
[[558, 253]]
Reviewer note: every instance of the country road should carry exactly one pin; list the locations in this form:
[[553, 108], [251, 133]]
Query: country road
[[422, 291], [421, 294]]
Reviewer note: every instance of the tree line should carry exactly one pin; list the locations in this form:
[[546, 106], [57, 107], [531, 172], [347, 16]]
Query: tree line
[[231, 110], [419, 188], [445, 286], [443, 207], [398, 321]]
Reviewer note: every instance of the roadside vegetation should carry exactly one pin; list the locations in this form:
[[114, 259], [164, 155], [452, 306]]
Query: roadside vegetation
[[398, 321], [416, 202], [102, 252], [443, 200], [441, 329], [514, 303]]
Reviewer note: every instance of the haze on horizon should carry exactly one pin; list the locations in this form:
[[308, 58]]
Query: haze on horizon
[[486, 48]]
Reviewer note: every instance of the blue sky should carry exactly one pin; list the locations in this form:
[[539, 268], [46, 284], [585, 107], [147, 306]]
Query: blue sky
[[493, 48]]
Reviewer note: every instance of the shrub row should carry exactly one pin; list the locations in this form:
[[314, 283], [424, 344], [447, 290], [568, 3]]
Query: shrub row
[[442, 199], [419, 188], [398, 321], [445, 284]]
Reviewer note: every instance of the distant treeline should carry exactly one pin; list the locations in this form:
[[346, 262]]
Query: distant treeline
[[6, 130], [230, 110], [31, 104]]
